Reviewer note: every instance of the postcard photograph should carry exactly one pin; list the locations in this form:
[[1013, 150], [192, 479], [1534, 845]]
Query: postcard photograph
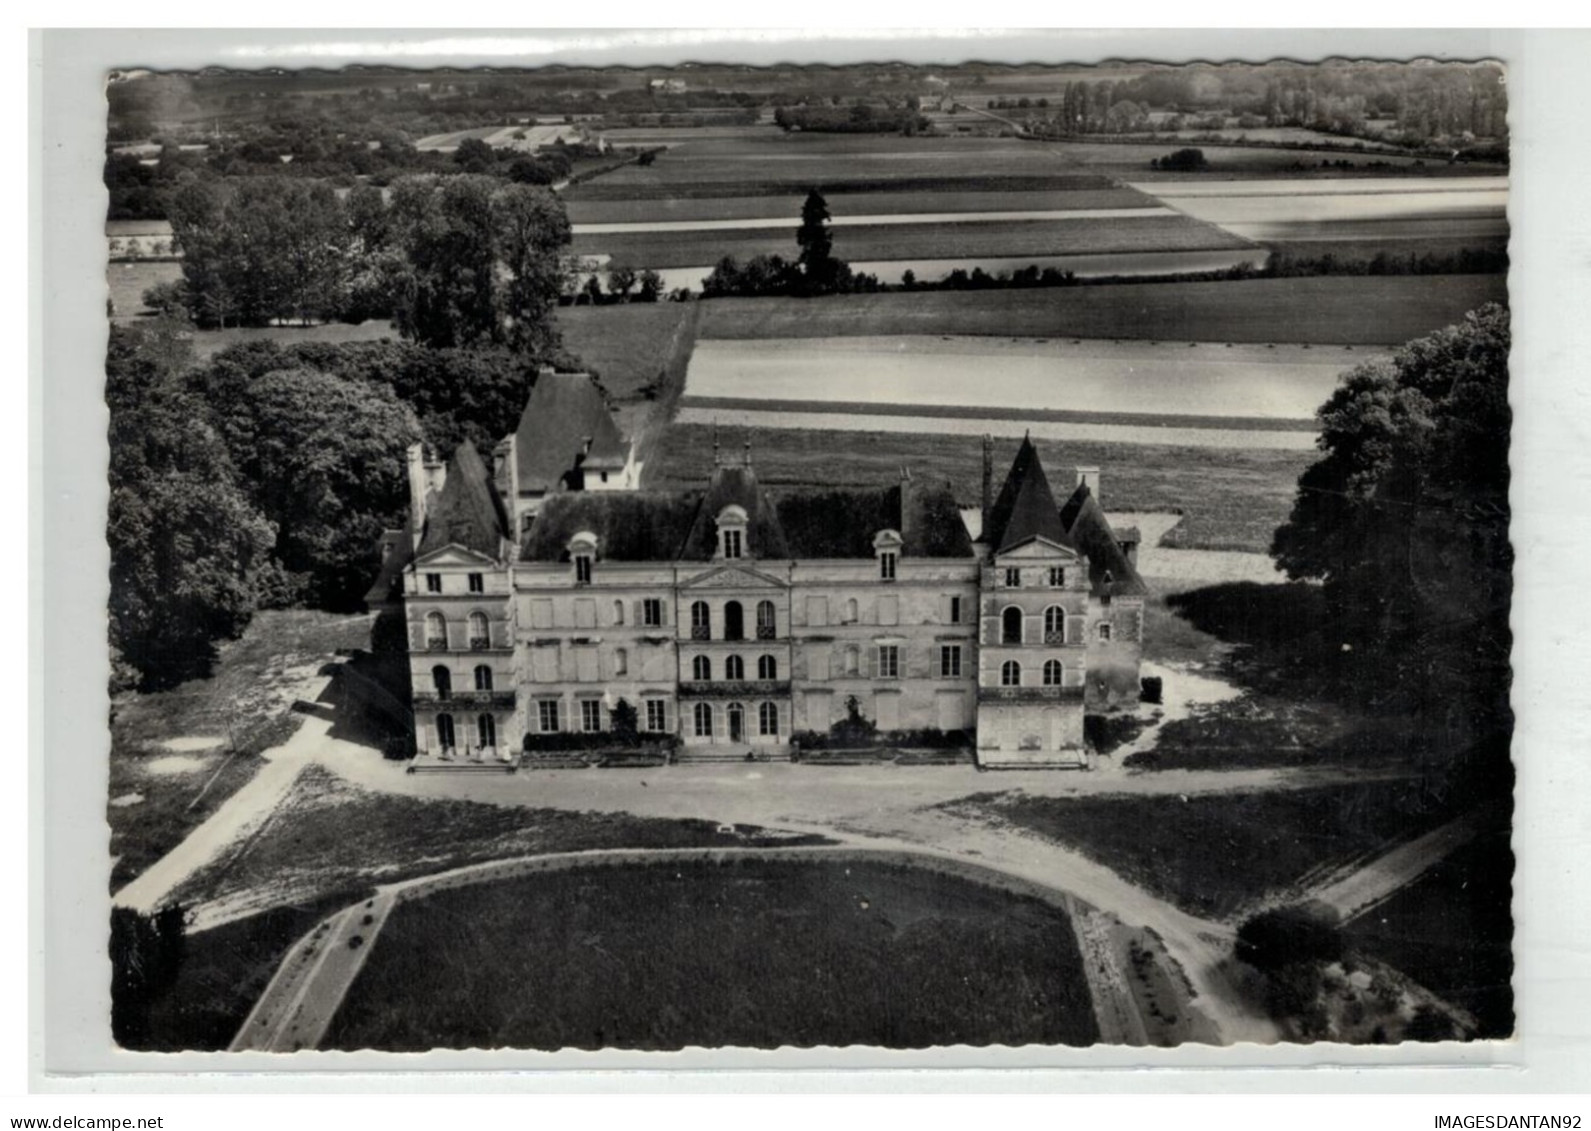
[[881, 555]]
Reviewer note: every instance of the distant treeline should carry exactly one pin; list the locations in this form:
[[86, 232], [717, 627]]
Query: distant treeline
[[140, 191], [764, 276], [858, 118]]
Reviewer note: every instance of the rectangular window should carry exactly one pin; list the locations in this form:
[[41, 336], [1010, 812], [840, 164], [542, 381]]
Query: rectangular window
[[888, 609], [651, 612], [1013, 578], [1104, 632], [731, 543], [590, 715], [950, 661], [433, 583], [886, 566], [477, 583], [1058, 577], [656, 714], [888, 661], [547, 715], [955, 610]]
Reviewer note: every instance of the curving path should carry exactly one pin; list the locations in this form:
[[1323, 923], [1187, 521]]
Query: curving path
[[300, 1001]]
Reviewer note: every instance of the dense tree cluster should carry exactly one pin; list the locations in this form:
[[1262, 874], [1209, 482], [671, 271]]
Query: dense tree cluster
[[815, 271], [265, 476], [1404, 520], [857, 118], [454, 261]]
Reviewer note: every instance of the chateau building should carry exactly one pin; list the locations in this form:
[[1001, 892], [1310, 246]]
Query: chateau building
[[535, 601]]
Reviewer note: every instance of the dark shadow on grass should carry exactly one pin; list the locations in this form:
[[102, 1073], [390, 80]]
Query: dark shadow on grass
[[1279, 633]]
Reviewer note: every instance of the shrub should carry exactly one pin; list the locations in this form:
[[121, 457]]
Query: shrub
[[599, 740], [1288, 936]]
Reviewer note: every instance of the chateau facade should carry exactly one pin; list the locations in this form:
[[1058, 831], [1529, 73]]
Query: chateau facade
[[736, 620]]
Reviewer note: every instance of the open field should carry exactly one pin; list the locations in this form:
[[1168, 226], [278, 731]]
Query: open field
[[1087, 376], [177, 755], [788, 207], [1368, 208], [1452, 931], [972, 242], [129, 279], [1218, 855], [1230, 499], [630, 957], [1336, 310]]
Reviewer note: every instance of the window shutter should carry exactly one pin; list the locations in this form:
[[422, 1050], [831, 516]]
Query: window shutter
[[637, 613], [1075, 630], [416, 636]]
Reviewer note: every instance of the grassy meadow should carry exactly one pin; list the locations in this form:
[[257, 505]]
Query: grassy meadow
[[1340, 310], [1219, 855], [633, 957]]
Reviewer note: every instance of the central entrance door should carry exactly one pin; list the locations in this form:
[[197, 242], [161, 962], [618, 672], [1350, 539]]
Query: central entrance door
[[737, 723]]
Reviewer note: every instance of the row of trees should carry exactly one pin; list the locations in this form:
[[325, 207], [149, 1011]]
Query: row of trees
[[815, 271], [452, 261]]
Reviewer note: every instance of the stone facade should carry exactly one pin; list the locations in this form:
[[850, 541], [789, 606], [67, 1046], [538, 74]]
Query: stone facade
[[735, 621]]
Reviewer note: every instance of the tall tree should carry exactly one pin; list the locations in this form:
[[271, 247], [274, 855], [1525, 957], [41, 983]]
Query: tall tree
[[449, 293], [820, 271], [324, 457], [1404, 519], [187, 547], [531, 230]]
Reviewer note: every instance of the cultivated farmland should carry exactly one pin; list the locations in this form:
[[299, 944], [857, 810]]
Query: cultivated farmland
[[1321, 310]]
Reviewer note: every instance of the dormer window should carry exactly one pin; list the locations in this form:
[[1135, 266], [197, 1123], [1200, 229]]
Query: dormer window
[[583, 553], [732, 533], [886, 547]]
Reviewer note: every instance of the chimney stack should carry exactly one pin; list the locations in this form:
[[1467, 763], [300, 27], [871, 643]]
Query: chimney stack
[[1089, 476], [988, 478]]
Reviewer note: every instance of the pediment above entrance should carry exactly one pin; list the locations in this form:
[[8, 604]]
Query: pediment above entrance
[[733, 577]]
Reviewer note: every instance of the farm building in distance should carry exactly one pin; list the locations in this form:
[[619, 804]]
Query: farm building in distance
[[538, 597]]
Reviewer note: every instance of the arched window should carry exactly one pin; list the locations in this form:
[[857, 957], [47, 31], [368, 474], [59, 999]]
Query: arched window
[[1010, 674], [435, 631], [480, 631], [486, 730], [734, 621], [853, 659], [853, 611], [1052, 673], [1011, 626], [767, 667], [734, 668], [621, 662], [483, 678], [618, 612], [442, 679], [704, 720], [1055, 625], [765, 620], [768, 719], [444, 732], [701, 621], [701, 668]]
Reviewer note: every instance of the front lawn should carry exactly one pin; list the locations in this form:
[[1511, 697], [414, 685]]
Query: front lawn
[[1218, 855], [753, 953], [177, 755]]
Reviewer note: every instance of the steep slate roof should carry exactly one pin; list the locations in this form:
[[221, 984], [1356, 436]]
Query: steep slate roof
[[843, 524], [382, 588], [735, 486], [467, 511], [1088, 531], [1026, 507], [563, 410], [631, 526]]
